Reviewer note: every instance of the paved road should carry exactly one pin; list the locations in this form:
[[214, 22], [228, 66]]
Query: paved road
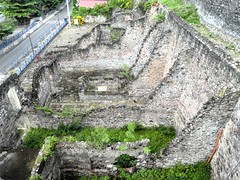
[[7, 59]]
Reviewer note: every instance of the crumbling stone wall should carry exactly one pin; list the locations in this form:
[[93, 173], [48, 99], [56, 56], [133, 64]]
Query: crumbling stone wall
[[44, 83], [223, 14], [195, 71], [198, 73], [80, 159], [225, 163], [9, 113]]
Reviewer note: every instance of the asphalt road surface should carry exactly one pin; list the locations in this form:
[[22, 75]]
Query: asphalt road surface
[[8, 58]]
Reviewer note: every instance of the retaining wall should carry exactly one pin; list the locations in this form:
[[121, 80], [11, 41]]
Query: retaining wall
[[222, 14], [196, 70]]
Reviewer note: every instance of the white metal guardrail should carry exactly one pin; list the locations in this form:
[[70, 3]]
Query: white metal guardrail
[[29, 54]]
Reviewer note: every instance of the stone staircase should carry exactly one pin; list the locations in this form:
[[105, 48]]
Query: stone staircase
[[148, 46]]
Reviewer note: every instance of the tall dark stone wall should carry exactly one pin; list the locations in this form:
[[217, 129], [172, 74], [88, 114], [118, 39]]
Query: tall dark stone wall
[[223, 14], [8, 113]]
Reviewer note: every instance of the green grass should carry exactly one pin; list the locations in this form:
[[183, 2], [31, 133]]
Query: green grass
[[161, 17], [187, 12], [159, 136], [198, 171], [35, 137], [216, 39]]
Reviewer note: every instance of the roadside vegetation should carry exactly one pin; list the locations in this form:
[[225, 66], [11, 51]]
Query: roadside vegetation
[[101, 9], [18, 12], [6, 27]]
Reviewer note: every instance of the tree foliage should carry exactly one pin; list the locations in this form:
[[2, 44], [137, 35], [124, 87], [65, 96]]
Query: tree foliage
[[23, 10], [6, 27]]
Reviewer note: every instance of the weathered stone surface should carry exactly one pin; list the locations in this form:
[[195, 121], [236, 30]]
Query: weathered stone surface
[[181, 79], [225, 163], [9, 111], [80, 159], [196, 141], [222, 14]]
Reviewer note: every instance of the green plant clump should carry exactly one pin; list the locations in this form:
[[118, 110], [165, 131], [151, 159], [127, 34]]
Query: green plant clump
[[48, 148], [161, 17], [35, 137], [6, 27], [126, 73], [187, 12], [145, 5], [99, 137], [125, 161], [35, 177], [199, 171], [67, 112], [116, 34], [102, 9]]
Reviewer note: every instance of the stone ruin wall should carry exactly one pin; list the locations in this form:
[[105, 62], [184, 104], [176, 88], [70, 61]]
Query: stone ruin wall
[[91, 161], [199, 72], [225, 163], [221, 14], [196, 67], [10, 107]]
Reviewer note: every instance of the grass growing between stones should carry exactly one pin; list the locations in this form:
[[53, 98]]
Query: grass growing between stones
[[161, 17], [190, 15], [116, 34], [99, 137], [187, 12], [198, 171], [216, 39]]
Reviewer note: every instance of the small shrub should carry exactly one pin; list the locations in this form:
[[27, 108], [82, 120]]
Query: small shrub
[[35, 137], [144, 6], [45, 109], [161, 17], [123, 148], [6, 27], [99, 138], [68, 112], [116, 34], [231, 47], [126, 73], [68, 139], [146, 150], [48, 148], [35, 177], [102, 9], [125, 161]]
